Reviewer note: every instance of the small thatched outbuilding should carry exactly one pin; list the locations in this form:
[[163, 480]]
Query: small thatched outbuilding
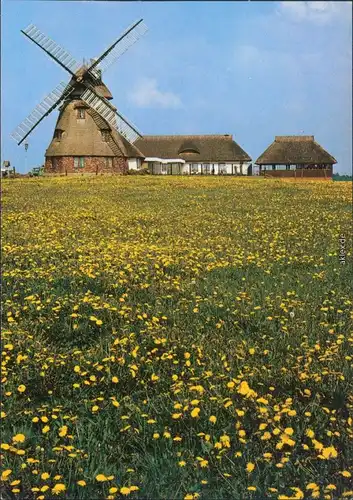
[[296, 156]]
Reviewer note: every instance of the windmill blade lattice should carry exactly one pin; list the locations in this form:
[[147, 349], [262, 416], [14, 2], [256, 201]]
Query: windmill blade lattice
[[111, 116], [41, 111], [126, 40], [60, 55]]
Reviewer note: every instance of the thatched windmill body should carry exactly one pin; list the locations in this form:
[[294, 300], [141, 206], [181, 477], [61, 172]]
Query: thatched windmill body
[[90, 134]]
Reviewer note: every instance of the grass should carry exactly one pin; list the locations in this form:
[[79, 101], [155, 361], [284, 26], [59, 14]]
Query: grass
[[176, 338]]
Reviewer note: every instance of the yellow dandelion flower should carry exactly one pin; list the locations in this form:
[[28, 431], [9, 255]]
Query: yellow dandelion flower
[[19, 438], [213, 419], [45, 429], [101, 478], [81, 482], [195, 412], [21, 388], [5, 474], [58, 488], [250, 467], [125, 491], [63, 431], [329, 452], [312, 486], [310, 433], [345, 473]]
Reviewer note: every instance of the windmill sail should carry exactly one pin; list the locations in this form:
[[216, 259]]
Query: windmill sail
[[121, 45], [110, 115], [60, 55], [41, 111]]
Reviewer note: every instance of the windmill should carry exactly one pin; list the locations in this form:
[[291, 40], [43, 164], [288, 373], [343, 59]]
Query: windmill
[[90, 134]]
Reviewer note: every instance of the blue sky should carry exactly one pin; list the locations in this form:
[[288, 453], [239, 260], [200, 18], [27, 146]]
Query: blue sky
[[251, 69]]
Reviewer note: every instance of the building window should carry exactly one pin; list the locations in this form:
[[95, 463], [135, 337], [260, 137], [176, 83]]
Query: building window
[[164, 168], [194, 168], [206, 168], [222, 168], [79, 161], [105, 135], [81, 113], [109, 162], [58, 134], [54, 162]]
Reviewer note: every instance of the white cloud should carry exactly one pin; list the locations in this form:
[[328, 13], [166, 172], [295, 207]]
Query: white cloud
[[146, 94], [316, 11]]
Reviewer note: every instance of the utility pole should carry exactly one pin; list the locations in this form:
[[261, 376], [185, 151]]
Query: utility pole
[[26, 148]]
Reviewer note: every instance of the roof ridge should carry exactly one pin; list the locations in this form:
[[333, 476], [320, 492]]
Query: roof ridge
[[179, 136], [294, 138]]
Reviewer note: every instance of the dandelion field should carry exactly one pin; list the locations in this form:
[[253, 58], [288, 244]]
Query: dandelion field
[[176, 338]]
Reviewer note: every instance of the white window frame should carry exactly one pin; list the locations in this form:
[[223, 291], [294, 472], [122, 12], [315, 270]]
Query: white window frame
[[81, 113], [79, 162], [222, 168]]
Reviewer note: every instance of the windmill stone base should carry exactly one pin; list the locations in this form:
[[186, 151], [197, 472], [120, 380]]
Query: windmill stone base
[[65, 165]]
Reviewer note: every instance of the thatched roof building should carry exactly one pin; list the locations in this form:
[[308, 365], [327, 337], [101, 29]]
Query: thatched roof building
[[84, 138], [193, 148], [295, 150]]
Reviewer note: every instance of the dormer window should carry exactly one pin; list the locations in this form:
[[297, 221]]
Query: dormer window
[[105, 135], [188, 147], [58, 134], [81, 113]]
